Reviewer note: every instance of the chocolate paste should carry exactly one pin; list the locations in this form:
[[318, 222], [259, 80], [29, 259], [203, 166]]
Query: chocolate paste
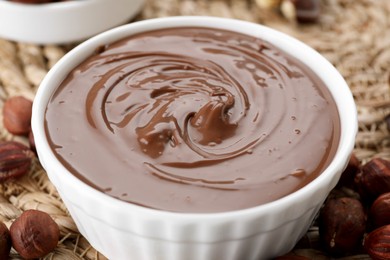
[[193, 120]]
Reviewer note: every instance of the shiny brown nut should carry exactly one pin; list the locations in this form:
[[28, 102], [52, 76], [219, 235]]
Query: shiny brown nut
[[377, 243], [34, 234], [349, 174], [303, 11], [342, 224], [17, 115], [380, 211], [5, 241], [373, 179], [15, 160]]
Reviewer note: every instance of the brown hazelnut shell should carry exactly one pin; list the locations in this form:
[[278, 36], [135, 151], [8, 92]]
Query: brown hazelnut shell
[[17, 113], [34, 234], [342, 224], [377, 243], [374, 179], [15, 160], [380, 211], [348, 175], [5, 241]]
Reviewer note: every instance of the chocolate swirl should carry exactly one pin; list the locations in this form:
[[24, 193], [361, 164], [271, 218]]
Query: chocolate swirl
[[193, 120]]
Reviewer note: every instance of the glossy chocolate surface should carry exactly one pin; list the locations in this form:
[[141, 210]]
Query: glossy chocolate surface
[[193, 120]]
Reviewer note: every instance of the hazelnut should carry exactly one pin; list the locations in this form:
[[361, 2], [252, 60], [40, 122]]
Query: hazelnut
[[34, 234], [17, 115], [342, 223], [348, 175], [5, 241], [373, 179], [303, 11], [380, 211], [15, 160], [377, 243]]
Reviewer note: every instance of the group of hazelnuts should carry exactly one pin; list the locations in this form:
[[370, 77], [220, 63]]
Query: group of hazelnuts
[[355, 218], [34, 233], [358, 220]]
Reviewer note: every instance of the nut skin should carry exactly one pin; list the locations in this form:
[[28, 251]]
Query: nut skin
[[5, 241], [34, 234], [380, 211], [348, 176], [377, 243], [342, 224], [373, 179], [17, 112], [303, 11], [15, 160]]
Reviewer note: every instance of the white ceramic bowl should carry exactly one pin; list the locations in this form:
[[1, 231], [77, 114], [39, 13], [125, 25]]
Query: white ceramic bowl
[[122, 230], [63, 22]]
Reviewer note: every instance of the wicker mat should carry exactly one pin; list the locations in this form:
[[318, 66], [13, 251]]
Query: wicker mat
[[352, 34]]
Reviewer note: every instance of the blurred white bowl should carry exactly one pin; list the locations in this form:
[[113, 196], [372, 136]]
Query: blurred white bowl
[[122, 230], [63, 22]]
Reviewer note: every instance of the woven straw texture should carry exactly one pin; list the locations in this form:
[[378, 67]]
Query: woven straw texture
[[351, 34]]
